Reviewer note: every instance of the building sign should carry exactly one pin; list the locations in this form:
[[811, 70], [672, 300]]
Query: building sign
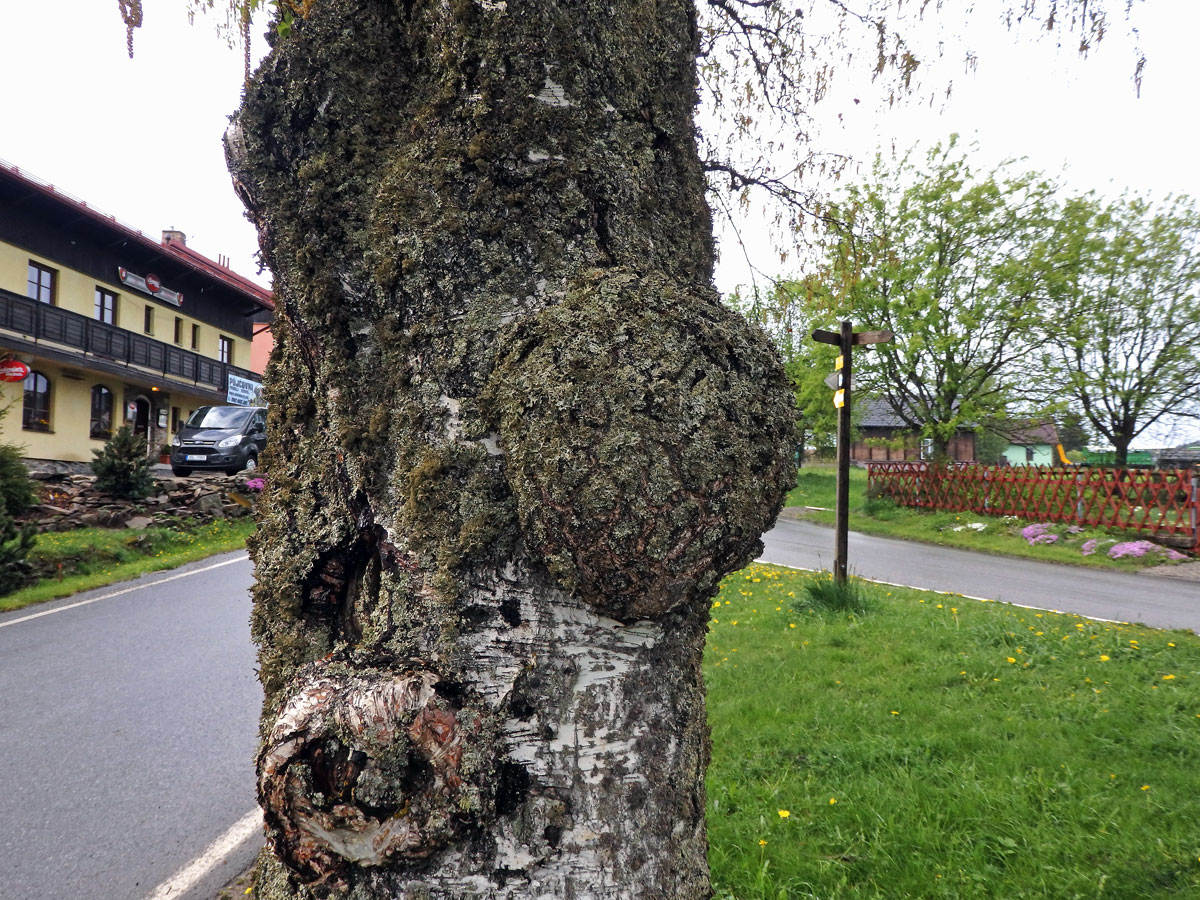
[[150, 284], [243, 391], [13, 370]]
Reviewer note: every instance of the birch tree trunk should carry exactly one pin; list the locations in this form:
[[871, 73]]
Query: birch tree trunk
[[516, 441]]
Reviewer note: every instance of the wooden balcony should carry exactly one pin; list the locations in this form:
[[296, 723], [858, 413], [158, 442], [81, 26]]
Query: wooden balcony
[[75, 340]]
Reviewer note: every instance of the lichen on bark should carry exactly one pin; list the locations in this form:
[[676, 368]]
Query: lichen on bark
[[646, 434], [515, 441]]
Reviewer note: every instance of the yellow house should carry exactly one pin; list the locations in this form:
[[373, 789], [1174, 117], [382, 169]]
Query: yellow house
[[103, 326]]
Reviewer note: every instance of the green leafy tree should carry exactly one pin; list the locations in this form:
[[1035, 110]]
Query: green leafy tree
[[1073, 433], [122, 467], [787, 314], [1127, 329], [961, 267], [990, 444]]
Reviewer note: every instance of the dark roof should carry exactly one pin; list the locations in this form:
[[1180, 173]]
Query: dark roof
[[1032, 433], [877, 413], [188, 257]]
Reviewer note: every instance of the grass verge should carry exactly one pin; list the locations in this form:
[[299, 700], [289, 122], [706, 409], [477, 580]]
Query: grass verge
[[816, 487], [938, 747], [68, 562]]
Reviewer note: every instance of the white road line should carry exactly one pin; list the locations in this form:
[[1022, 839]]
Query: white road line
[[138, 587], [185, 879], [913, 587]]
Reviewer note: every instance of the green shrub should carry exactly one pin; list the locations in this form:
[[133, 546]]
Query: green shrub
[[122, 468], [17, 494], [15, 544], [16, 487]]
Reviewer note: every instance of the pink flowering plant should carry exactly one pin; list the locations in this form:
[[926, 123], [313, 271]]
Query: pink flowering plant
[[1039, 533], [1138, 549], [1090, 543]]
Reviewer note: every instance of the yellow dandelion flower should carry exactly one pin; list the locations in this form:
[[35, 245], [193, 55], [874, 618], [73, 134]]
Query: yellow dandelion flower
[[783, 814], [1167, 677], [895, 712], [1010, 659], [762, 843], [1145, 787], [1104, 657], [832, 800]]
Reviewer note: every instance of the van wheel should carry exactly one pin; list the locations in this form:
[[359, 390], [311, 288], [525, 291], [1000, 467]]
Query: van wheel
[[180, 473], [249, 468]]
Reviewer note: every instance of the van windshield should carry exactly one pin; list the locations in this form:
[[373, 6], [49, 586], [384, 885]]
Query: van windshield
[[220, 417]]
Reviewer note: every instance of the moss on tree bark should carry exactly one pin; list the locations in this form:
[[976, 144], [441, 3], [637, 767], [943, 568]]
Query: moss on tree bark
[[515, 442]]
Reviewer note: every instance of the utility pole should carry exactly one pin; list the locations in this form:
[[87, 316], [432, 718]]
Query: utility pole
[[842, 381]]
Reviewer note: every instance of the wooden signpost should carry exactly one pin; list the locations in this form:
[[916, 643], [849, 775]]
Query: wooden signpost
[[842, 382]]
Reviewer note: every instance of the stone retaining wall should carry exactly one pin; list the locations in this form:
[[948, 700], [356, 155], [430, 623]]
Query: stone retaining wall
[[68, 501]]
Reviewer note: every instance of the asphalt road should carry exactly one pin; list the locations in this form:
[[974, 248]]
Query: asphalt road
[[1151, 600], [127, 734]]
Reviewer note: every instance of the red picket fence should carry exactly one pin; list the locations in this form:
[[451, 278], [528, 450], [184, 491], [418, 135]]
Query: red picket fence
[[1164, 502]]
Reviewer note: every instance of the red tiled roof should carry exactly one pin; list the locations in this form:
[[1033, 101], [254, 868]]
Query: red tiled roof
[[202, 262], [186, 255]]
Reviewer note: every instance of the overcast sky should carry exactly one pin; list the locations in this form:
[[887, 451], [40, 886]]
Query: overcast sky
[[141, 138], [1080, 120]]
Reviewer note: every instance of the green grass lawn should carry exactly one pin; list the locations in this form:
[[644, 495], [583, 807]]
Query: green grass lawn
[[68, 562], [941, 747], [816, 487]]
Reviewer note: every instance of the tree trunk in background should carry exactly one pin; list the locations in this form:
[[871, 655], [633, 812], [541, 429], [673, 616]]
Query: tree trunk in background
[[1121, 450], [515, 441]]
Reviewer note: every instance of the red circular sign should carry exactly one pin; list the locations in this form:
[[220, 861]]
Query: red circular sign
[[13, 370], [153, 283]]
